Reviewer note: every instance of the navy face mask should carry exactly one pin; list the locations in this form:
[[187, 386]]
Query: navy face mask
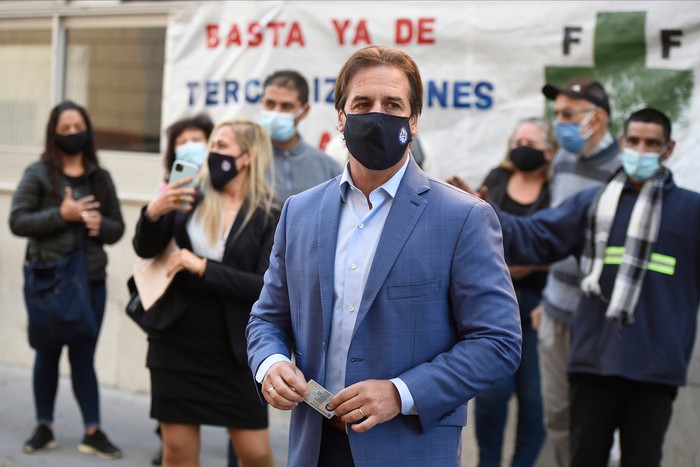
[[377, 140], [222, 169]]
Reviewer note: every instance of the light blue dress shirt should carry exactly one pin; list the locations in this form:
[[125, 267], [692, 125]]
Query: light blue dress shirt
[[358, 235]]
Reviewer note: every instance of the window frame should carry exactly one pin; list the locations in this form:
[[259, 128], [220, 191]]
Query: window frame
[[59, 17]]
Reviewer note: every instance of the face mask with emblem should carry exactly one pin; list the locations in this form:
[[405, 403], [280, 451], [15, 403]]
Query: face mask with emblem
[[377, 140], [222, 169]]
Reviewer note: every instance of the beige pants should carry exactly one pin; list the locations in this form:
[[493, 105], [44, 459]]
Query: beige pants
[[553, 346]]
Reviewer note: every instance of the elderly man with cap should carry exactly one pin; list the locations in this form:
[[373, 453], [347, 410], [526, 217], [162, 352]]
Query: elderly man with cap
[[587, 157]]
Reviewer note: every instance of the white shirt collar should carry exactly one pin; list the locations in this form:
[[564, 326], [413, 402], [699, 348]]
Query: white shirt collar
[[391, 186]]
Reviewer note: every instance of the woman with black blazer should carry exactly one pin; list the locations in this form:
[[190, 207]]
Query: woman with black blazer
[[196, 356]]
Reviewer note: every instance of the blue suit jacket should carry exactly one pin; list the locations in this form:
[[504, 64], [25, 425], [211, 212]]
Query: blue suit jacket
[[438, 311]]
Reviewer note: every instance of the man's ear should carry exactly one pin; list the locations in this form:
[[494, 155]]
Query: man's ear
[[304, 112], [621, 141], [413, 124], [341, 121], [669, 151], [600, 119]]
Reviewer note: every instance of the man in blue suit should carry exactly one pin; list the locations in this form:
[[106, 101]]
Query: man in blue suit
[[385, 286]]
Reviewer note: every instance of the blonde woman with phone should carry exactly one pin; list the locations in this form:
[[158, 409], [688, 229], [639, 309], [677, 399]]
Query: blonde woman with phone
[[196, 356]]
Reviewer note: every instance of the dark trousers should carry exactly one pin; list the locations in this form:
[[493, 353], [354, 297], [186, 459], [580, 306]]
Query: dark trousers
[[82, 371], [491, 406], [601, 404], [335, 448]]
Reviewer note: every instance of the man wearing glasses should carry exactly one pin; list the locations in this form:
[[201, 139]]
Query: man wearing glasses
[[587, 157]]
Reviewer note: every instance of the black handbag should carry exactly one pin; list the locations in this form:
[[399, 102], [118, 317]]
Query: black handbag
[[57, 297], [166, 311], [134, 309]]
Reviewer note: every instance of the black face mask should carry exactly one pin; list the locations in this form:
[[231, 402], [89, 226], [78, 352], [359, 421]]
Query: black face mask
[[378, 141], [222, 169], [527, 159], [72, 144]]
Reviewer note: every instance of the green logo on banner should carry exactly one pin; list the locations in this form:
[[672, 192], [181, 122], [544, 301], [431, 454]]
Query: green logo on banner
[[619, 54]]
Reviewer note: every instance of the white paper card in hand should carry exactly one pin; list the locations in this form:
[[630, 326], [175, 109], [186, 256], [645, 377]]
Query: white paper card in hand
[[319, 398]]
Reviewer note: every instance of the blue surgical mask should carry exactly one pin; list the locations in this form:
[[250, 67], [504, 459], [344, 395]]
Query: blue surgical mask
[[570, 136], [640, 166], [279, 125], [192, 151]]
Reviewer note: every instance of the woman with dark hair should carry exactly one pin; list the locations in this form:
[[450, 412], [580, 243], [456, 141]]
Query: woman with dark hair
[[187, 141], [67, 200], [519, 186]]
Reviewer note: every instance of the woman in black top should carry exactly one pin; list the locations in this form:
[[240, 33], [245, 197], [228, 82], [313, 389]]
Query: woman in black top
[[519, 185], [63, 200], [197, 347]]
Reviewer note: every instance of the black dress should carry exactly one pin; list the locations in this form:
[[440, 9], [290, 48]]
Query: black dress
[[198, 365]]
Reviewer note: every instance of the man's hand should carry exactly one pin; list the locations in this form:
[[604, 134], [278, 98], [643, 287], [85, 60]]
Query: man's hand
[[483, 192], [284, 386], [536, 316], [375, 401]]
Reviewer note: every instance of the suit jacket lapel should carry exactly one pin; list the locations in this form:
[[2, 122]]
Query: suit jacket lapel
[[406, 209], [328, 218]]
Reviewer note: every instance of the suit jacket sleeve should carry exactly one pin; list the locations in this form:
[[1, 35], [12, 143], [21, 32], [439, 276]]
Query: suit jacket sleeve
[[549, 235], [487, 322], [269, 328]]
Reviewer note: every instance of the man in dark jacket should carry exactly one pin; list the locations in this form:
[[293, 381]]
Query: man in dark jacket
[[633, 331]]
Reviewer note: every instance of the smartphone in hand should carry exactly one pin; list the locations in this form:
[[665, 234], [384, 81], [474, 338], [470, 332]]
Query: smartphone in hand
[[182, 170]]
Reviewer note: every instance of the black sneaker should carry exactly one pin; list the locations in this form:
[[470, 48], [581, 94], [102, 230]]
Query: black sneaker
[[157, 458], [98, 444], [41, 440]]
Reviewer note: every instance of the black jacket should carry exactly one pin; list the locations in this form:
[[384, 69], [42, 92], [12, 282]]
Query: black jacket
[[36, 215], [237, 279]]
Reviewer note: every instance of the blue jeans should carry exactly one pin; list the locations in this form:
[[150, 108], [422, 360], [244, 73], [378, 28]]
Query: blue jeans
[[491, 407], [81, 357]]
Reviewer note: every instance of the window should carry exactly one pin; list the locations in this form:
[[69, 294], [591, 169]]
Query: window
[[25, 86], [117, 74]]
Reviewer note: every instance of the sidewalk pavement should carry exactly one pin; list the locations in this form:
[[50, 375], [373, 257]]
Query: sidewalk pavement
[[125, 420]]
